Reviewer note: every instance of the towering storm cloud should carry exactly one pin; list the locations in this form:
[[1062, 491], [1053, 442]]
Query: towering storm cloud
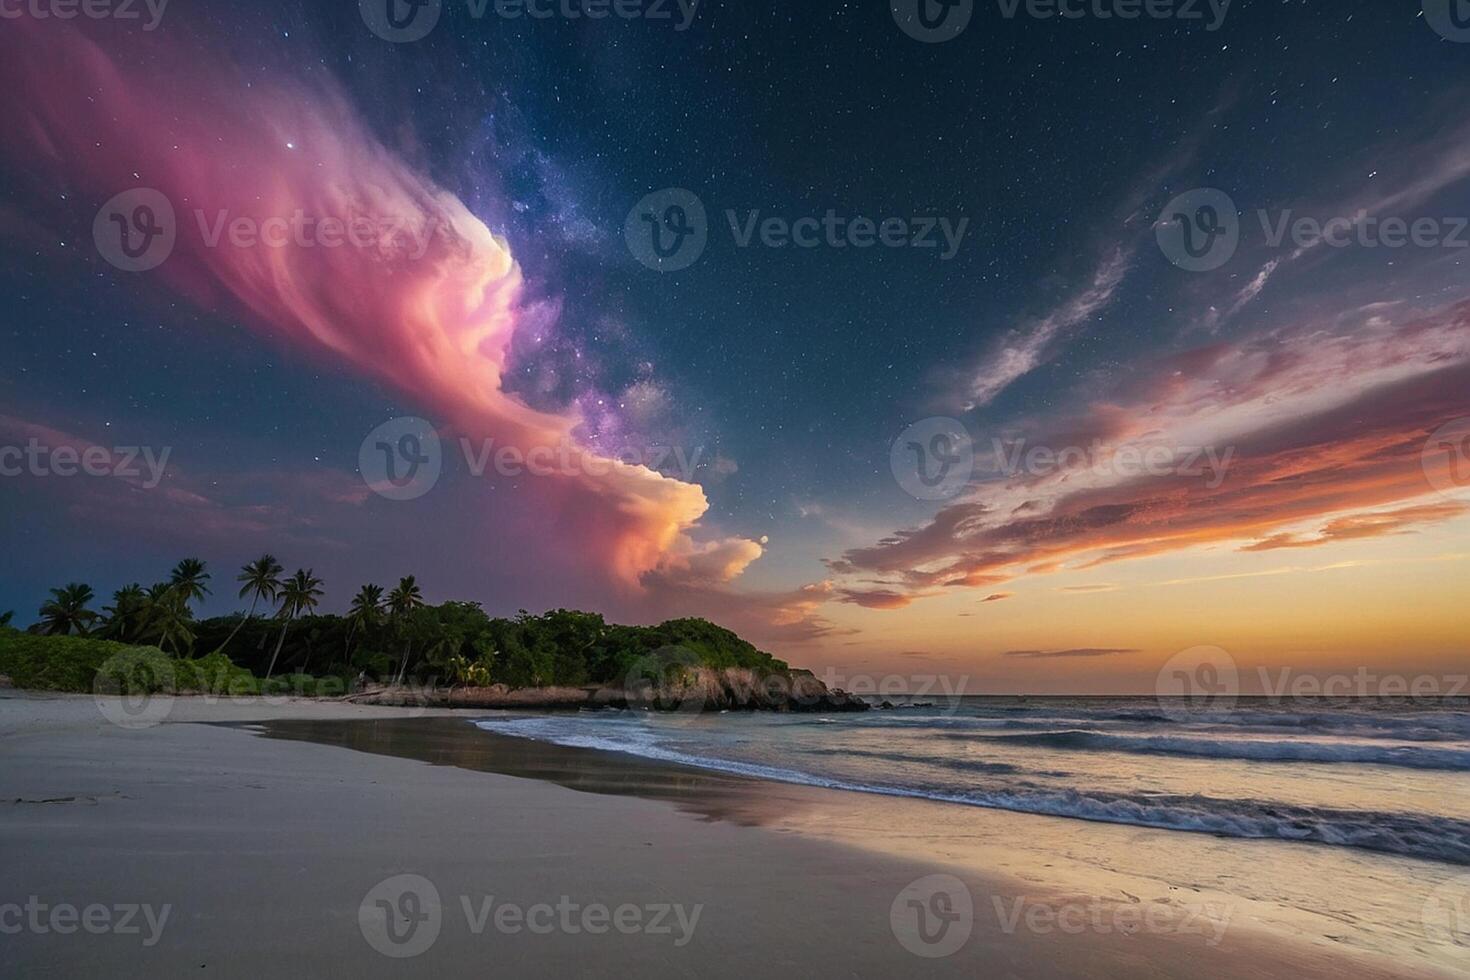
[[288, 208]]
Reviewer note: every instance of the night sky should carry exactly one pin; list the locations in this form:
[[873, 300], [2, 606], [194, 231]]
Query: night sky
[[791, 372]]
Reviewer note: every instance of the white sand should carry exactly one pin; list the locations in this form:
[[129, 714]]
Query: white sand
[[263, 851]]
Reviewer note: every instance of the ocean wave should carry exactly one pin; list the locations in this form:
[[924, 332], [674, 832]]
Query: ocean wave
[[967, 765], [1413, 835], [1254, 750], [1408, 727]]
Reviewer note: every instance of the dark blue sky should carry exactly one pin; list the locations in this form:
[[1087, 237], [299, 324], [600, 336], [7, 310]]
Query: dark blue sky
[[1057, 141]]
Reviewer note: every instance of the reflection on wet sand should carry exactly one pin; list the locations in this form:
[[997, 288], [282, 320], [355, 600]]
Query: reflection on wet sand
[[453, 742], [1292, 892]]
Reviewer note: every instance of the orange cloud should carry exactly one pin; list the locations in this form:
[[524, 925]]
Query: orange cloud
[[430, 310], [1317, 427], [1399, 521]]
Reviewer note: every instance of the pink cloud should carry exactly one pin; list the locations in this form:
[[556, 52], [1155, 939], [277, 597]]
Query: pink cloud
[[430, 309], [1320, 426]]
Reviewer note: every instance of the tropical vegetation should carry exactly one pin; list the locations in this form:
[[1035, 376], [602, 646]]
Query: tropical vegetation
[[388, 636]]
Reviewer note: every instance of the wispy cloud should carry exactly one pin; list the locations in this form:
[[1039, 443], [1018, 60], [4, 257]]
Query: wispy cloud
[[1370, 525], [1035, 342], [1067, 654], [1326, 427]]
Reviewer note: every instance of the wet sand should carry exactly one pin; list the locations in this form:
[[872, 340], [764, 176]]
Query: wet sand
[[267, 851]]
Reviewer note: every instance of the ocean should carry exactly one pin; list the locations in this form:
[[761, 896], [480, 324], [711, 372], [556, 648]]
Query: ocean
[[1387, 776]]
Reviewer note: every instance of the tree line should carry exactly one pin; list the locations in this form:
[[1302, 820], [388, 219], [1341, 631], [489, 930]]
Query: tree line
[[391, 635]]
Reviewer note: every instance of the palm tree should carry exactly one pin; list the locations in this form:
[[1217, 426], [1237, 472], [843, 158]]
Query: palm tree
[[67, 610], [260, 579], [402, 601], [365, 613], [188, 578], [166, 618], [126, 615], [299, 594]]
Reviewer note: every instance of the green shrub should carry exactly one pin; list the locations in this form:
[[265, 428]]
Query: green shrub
[[57, 663], [305, 686], [83, 665], [216, 674]]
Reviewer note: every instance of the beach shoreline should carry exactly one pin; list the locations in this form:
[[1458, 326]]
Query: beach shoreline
[[266, 849]]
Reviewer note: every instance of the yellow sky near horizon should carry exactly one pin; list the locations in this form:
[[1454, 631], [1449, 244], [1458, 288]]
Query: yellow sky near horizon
[[1385, 605]]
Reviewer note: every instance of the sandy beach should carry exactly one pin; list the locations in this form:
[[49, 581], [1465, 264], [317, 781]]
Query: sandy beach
[[199, 845]]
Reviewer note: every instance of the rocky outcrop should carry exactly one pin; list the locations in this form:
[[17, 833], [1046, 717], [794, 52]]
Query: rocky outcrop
[[691, 690], [732, 689]]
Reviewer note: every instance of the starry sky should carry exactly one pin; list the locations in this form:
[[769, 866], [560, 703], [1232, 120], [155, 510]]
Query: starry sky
[[1335, 538]]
